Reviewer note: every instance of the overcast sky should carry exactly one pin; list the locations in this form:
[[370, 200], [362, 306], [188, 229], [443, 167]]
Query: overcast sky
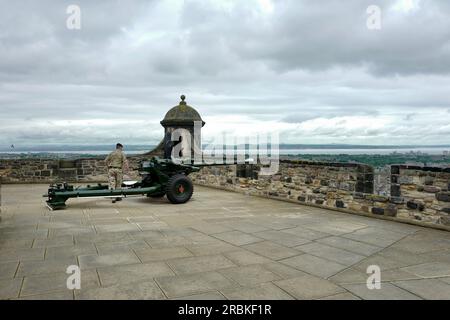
[[309, 70]]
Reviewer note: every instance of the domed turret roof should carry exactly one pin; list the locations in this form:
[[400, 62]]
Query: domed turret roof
[[182, 114]]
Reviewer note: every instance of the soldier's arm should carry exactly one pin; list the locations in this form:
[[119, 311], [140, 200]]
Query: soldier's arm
[[108, 159], [125, 162]]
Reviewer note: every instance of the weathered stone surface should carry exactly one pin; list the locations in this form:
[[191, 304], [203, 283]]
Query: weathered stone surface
[[131, 291], [244, 257], [95, 261], [397, 200], [185, 285], [309, 287], [443, 196], [265, 291], [376, 198], [379, 211], [314, 265], [431, 289], [9, 288], [429, 269], [343, 239], [387, 292], [249, 275], [200, 264], [340, 204], [271, 250], [431, 189], [445, 221], [391, 210], [415, 205], [133, 273], [158, 254], [237, 238], [8, 269]]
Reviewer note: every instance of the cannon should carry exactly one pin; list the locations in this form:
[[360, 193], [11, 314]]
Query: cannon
[[159, 178]]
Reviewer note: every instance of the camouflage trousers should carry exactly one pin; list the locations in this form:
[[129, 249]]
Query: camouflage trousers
[[115, 177]]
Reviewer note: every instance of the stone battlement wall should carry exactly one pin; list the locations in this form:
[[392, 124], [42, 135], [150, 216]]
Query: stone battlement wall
[[425, 192], [423, 196], [417, 194], [51, 170]]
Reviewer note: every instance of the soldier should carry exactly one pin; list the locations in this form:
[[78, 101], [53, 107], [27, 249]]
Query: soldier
[[116, 162]]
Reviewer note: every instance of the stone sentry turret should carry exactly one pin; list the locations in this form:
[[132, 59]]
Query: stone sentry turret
[[187, 139]]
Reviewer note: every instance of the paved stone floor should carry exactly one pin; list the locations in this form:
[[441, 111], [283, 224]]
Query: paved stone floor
[[220, 245]]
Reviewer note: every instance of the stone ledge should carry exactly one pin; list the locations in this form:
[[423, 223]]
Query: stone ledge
[[419, 168]]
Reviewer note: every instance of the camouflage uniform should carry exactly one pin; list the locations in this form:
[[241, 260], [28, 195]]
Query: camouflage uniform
[[115, 161]]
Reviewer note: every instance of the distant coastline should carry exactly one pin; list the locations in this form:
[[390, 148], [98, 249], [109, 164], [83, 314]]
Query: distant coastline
[[377, 156], [284, 149]]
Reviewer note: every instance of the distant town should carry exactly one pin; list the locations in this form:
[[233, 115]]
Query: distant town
[[376, 156], [381, 160]]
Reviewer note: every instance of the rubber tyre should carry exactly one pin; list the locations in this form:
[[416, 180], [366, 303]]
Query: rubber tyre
[[179, 189]]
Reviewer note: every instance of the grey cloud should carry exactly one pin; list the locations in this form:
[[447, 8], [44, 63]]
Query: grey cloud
[[306, 60]]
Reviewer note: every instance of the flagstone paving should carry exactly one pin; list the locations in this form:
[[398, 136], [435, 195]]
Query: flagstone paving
[[220, 245]]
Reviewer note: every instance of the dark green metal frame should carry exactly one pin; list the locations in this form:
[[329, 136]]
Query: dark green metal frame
[[155, 174]]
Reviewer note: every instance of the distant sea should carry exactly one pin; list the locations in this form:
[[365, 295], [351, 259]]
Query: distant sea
[[283, 151]]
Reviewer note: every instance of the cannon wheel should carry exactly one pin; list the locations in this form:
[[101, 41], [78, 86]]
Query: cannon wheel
[[179, 189]]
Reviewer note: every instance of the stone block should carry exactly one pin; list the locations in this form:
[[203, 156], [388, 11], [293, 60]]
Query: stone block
[[314, 265], [237, 238], [358, 195], [340, 204], [146, 290], [391, 210], [431, 189], [377, 198], [429, 289], [199, 264], [10, 288], [45, 173], [395, 190], [184, 285], [387, 292], [397, 200], [415, 205], [244, 257], [377, 210], [368, 186], [95, 261], [428, 181], [266, 291], [281, 238], [443, 196], [324, 183], [309, 287], [271, 250], [327, 252], [359, 187], [395, 169], [249, 275]]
